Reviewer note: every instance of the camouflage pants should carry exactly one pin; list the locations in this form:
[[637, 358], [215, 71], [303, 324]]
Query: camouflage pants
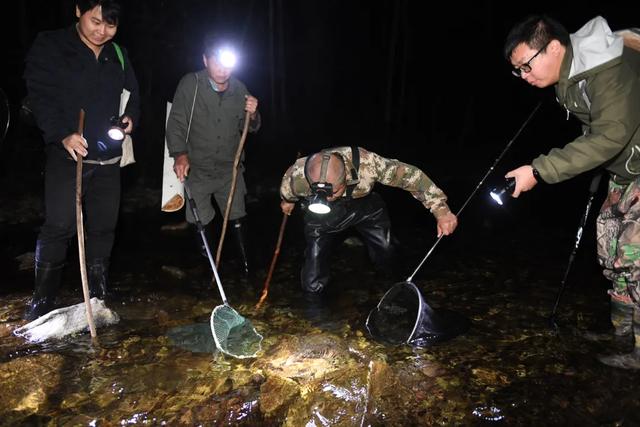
[[618, 233]]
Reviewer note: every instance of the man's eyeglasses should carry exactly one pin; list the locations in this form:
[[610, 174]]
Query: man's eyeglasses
[[526, 67]]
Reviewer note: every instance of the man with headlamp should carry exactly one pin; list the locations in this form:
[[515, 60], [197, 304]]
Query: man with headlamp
[[337, 185], [203, 133]]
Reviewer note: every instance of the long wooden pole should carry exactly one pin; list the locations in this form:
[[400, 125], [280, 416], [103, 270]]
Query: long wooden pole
[[80, 228], [234, 178], [265, 290]]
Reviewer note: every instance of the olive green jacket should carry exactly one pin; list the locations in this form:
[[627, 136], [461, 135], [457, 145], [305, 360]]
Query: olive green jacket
[[373, 168], [218, 119], [600, 85]]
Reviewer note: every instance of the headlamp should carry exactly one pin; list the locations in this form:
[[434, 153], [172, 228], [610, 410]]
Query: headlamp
[[116, 131], [318, 203], [321, 190], [498, 194], [226, 57]]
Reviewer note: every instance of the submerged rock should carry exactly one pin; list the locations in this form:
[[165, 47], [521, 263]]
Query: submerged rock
[[28, 381]]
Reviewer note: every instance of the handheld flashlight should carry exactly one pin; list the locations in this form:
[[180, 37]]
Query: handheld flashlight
[[497, 194], [116, 131]]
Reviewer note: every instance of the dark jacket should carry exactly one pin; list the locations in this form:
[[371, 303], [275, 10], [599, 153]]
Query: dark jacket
[[63, 76], [599, 84], [218, 119]]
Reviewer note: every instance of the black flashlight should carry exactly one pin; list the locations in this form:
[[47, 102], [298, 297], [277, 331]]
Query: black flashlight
[[497, 194], [116, 131]]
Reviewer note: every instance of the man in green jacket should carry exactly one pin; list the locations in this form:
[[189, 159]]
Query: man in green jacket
[[597, 79], [203, 133]]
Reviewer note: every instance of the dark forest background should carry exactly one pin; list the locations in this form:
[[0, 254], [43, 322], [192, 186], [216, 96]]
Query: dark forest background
[[414, 80]]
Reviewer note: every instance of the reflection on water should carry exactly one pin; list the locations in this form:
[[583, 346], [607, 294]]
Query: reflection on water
[[159, 365]]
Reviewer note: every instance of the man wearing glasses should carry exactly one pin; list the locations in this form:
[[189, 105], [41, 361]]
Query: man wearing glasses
[[345, 176], [596, 77]]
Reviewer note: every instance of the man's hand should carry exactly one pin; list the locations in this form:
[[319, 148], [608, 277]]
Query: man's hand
[[129, 122], [525, 180], [446, 224], [287, 207], [251, 105], [75, 143], [181, 166]]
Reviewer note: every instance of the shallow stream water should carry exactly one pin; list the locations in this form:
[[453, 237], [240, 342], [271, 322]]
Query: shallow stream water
[[318, 366]]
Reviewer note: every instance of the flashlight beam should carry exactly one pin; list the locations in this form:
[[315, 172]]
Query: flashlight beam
[[473, 193]]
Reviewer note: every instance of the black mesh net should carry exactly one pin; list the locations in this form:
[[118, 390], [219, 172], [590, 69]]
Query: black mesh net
[[403, 317]]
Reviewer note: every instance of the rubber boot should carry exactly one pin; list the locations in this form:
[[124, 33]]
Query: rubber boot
[[628, 360], [621, 320], [238, 230], [47, 283], [315, 307], [98, 274]]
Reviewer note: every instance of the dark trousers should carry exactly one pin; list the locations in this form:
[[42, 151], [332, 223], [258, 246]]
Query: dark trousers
[[369, 217], [100, 201]]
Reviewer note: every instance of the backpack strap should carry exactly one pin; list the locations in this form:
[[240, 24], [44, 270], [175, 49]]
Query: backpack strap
[[355, 160], [119, 54]]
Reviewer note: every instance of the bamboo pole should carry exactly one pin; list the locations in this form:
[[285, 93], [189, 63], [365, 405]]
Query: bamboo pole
[[234, 179], [265, 290], [81, 249]]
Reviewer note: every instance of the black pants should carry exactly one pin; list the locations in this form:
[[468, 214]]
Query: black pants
[[369, 217], [101, 202]]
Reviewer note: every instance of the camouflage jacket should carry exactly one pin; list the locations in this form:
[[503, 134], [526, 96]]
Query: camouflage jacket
[[373, 168]]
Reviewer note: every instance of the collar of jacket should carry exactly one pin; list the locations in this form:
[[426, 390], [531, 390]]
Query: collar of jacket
[[203, 78], [566, 81], [107, 53]]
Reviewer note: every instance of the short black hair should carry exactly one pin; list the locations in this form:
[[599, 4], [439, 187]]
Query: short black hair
[[535, 31], [212, 42], [110, 9]]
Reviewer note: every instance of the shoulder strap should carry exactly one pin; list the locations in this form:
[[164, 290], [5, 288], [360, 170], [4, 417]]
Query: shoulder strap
[[193, 104], [119, 53], [355, 160]]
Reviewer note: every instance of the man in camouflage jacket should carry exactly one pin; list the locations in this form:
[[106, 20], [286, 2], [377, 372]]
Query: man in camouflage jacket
[[596, 75], [353, 204]]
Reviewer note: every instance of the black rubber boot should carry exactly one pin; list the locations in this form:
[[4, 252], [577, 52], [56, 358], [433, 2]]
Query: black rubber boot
[[628, 360], [238, 230], [47, 283], [316, 309], [98, 275]]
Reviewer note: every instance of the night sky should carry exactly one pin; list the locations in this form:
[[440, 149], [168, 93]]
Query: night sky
[[396, 77]]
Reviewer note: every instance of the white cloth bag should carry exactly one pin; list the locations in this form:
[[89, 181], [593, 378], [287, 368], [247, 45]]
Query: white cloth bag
[[172, 188]]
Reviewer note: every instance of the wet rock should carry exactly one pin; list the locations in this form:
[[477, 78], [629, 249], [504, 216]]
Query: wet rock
[[490, 377], [277, 392], [28, 381], [173, 271]]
